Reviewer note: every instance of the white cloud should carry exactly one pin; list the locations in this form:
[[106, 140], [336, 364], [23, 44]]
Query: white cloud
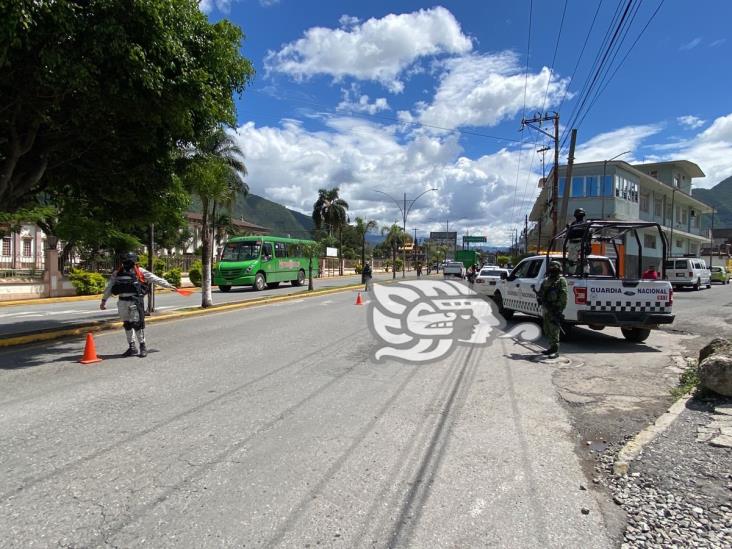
[[717, 43], [712, 150], [268, 3], [691, 121], [606, 145], [207, 6], [377, 49], [288, 164], [355, 101], [483, 90], [690, 45], [348, 21]]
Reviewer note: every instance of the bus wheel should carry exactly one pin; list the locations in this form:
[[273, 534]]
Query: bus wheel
[[224, 288], [259, 282], [300, 278], [636, 335], [272, 284]]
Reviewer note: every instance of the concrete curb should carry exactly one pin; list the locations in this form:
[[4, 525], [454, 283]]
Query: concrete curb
[[634, 447], [99, 326], [45, 300]]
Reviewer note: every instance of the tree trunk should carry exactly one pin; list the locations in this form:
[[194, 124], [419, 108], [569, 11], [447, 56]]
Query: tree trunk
[[363, 256], [340, 251], [310, 275], [393, 263], [206, 299]]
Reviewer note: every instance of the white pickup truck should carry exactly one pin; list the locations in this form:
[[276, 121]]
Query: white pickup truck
[[597, 299], [454, 268]]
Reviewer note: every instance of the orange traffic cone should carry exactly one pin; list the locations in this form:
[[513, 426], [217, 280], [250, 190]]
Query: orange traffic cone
[[90, 351], [359, 301]]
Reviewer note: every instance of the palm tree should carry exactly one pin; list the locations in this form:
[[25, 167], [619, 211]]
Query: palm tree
[[362, 227], [215, 173], [395, 238], [330, 211], [311, 250]]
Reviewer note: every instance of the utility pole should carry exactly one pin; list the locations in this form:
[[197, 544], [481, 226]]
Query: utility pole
[[554, 137], [570, 165], [526, 234], [711, 239]]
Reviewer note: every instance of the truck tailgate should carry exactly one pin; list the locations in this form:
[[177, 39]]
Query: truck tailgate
[[624, 302]]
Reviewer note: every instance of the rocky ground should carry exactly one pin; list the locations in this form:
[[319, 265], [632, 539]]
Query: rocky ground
[[679, 491]]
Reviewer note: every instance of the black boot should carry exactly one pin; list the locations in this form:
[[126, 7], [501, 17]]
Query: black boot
[[143, 350], [131, 351], [553, 352]]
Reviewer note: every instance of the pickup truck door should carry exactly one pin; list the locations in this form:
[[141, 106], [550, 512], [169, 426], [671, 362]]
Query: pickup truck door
[[512, 286], [530, 281]]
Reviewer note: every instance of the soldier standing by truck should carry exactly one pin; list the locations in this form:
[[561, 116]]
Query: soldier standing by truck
[[552, 297]]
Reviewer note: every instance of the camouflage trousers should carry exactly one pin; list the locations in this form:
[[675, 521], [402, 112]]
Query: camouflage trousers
[[551, 328]]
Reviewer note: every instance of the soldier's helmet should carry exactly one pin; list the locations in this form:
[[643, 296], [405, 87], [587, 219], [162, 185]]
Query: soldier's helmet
[[555, 266], [579, 213], [129, 259]]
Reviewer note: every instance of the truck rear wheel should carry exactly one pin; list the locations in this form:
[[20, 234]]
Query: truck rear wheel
[[505, 313], [636, 335]]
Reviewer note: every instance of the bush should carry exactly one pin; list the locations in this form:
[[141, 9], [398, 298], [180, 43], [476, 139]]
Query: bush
[[173, 276], [195, 273], [87, 283], [158, 265]]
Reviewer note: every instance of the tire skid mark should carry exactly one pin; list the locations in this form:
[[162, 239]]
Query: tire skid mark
[[401, 466], [310, 357], [200, 470], [295, 515], [420, 489]]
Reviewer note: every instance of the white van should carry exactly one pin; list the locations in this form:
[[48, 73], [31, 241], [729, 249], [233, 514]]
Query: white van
[[688, 271]]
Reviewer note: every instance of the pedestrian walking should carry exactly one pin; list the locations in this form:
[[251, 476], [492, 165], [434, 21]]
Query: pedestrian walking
[[130, 283], [552, 297], [419, 270], [366, 275]]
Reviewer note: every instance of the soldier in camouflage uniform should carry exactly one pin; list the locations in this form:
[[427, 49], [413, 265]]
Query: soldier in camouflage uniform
[[552, 297]]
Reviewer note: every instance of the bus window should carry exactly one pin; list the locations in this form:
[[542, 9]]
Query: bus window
[[240, 251], [280, 249], [267, 251]]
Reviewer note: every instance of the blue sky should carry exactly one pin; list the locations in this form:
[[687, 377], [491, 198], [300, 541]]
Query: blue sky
[[403, 96]]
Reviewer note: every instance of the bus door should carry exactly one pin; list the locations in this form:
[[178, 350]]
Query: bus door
[[268, 261]]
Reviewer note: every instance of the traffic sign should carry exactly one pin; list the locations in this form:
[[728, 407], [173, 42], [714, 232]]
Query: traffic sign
[[475, 238]]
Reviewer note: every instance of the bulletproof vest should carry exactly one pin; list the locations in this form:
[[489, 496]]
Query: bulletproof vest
[[127, 282]]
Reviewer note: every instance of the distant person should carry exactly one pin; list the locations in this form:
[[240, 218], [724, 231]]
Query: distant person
[[419, 270], [366, 275], [130, 283], [650, 273]]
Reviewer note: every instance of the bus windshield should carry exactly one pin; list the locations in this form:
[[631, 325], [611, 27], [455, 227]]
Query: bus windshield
[[240, 251]]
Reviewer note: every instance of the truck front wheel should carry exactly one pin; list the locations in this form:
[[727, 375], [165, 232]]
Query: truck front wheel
[[505, 313], [636, 335]]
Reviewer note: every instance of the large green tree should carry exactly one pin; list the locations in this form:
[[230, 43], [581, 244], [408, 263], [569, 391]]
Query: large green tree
[[97, 96], [330, 211], [362, 227]]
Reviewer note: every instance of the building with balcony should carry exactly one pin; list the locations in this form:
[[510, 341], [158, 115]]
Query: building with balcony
[[658, 192]]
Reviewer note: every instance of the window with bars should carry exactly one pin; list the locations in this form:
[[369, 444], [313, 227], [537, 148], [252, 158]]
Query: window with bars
[[27, 247], [6, 246]]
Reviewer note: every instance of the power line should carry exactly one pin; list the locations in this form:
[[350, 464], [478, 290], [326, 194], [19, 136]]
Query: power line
[[622, 61], [523, 109], [582, 51]]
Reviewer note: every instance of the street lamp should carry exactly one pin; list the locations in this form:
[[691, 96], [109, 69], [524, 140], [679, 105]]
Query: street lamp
[[602, 183], [404, 209]]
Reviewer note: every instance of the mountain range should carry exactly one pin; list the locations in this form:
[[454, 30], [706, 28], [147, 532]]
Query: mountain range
[[719, 197], [280, 220]]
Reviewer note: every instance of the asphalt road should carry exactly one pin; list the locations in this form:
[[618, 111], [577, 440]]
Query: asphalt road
[[272, 427], [21, 319]]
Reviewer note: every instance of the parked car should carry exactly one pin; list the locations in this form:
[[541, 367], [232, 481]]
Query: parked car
[[688, 271], [487, 280], [720, 274]]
